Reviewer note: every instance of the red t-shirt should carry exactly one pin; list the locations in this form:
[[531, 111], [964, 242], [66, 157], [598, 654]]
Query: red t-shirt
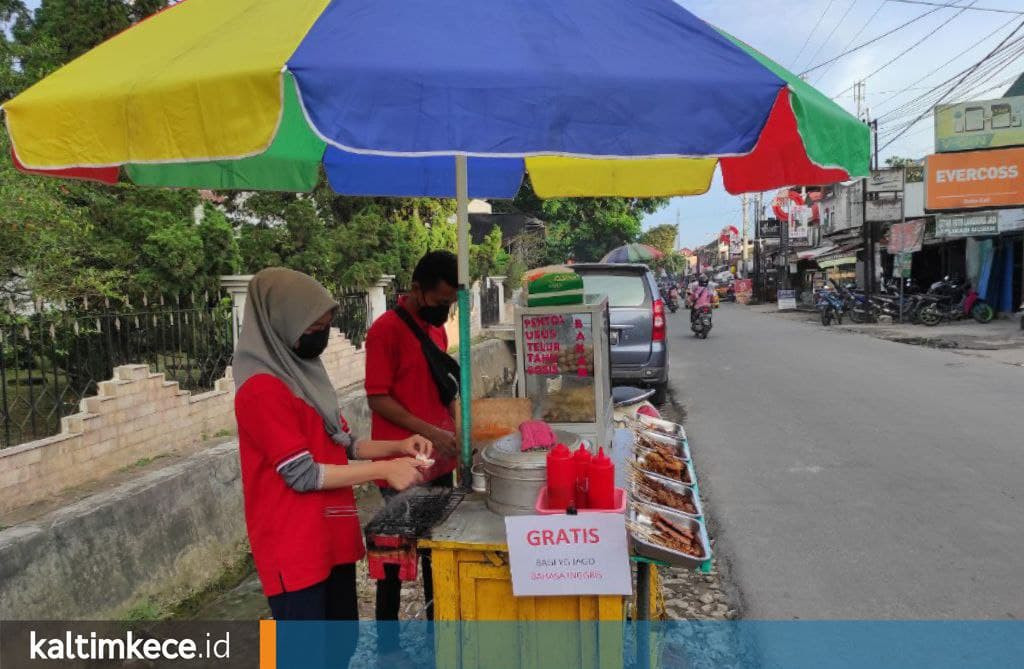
[[296, 538], [396, 366]]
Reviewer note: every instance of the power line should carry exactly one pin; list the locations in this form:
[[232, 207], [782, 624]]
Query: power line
[[948, 62], [909, 48], [821, 75], [871, 41], [1007, 52], [957, 84], [828, 39], [811, 34], [953, 6]]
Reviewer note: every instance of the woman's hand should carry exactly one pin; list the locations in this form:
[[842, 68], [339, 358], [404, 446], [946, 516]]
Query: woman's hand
[[402, 473], [416, 446]]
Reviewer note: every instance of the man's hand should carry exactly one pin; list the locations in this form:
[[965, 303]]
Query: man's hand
[[444, 441], [416, 446], [402, 473]]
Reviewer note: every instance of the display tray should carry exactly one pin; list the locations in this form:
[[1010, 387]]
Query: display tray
[[681, 447], [654, 551], [636, 493], [662, 426], [688, 466]]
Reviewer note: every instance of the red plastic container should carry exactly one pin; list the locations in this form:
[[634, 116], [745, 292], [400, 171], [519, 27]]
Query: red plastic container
[[601, 486], [561, 477], [543, 508], [581, 462]]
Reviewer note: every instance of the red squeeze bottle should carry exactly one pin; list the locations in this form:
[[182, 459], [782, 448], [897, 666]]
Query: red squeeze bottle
[[581, 461], [561, 477], [601, 482]]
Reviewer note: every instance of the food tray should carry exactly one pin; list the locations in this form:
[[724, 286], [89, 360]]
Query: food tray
[[681, 488], [656, 552], [662, 426], [660, 477], [681, 446]]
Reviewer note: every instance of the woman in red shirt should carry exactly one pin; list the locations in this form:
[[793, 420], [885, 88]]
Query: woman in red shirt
[[296, 450]]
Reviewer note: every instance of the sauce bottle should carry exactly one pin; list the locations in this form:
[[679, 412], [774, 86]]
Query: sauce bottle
[[601, 482], [581, 462], [561, 477]]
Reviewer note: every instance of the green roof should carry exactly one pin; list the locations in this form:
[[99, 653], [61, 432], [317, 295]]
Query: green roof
[[1016, 89]]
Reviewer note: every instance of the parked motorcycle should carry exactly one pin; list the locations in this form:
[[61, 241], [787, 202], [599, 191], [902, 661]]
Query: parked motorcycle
[[951, 300], [831, 305], [700, 322], [859, 308]]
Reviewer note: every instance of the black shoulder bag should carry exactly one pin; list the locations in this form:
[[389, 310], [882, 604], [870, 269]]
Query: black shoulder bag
[[443, 368]]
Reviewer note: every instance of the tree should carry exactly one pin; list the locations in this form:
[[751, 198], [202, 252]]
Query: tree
[[661, 237], [914, 168], [582, 229], [69, 28]]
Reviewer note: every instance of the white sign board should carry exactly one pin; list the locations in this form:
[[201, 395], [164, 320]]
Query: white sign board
[[787, 299], [887, 181], [586, 554]]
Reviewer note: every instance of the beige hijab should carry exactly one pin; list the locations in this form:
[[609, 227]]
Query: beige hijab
[[280, 305]]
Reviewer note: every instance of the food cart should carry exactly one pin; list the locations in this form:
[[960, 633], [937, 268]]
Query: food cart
[[564, 379]]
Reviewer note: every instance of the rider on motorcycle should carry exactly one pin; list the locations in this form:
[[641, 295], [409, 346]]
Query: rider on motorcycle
[[700, 293]]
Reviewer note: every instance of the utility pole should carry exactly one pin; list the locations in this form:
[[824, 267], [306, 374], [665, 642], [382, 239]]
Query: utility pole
[[743, 252], [679, 235], [858, 97]]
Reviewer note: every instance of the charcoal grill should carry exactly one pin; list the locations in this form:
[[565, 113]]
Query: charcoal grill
[[391, 535]]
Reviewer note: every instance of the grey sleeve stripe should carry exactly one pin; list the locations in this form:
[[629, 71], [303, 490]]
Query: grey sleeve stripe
[[301, 473]]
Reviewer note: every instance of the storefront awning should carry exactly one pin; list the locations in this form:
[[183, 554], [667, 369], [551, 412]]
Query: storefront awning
[[814, 254], [846, 255]]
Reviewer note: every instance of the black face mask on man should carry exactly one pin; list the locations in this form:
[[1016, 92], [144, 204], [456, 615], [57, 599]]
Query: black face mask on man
[[436, 315], [312, 344]]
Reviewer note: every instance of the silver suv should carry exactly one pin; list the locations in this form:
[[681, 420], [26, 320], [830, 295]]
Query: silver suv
[[639, 349]]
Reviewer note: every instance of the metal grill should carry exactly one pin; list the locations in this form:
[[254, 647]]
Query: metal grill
[[490, 309], [352, 316], [412, 513]]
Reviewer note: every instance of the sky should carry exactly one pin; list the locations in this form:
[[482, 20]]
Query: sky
[[779, 29], [802, 33]]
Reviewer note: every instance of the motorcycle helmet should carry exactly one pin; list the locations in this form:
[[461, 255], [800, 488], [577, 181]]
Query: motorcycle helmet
[[702, 280]]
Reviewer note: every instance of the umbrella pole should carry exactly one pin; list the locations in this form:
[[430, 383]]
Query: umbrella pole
[[465, 342]]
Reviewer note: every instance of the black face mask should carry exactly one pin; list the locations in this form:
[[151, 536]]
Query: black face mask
[[312, 344], [435, 315]]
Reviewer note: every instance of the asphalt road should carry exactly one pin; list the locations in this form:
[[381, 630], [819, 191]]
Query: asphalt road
[[851, 477]]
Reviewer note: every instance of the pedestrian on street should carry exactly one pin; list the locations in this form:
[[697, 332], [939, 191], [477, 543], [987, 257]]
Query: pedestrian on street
[[406, 398], [296, 453]]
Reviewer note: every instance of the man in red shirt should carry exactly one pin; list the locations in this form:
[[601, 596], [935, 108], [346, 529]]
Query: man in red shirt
[[405, 400]]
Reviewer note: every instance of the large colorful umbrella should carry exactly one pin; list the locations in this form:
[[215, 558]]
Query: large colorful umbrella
[[434, 97], [632, 253]]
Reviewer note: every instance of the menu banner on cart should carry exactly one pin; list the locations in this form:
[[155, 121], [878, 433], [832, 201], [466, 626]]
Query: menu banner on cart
[[585, 554]]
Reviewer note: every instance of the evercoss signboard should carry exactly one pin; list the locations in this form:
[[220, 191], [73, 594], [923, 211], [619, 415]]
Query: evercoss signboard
[[974, 180]]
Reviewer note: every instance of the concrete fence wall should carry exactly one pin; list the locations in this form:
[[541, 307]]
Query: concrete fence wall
[[135, 415], [165, 533]]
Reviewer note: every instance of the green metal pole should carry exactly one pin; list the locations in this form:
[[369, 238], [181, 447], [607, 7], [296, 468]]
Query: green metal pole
[[465, 386], [465, 337]]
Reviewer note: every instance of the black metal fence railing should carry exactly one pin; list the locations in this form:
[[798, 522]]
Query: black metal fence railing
[[52, 359], [490, 304], [392, 293], [352, 317]]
